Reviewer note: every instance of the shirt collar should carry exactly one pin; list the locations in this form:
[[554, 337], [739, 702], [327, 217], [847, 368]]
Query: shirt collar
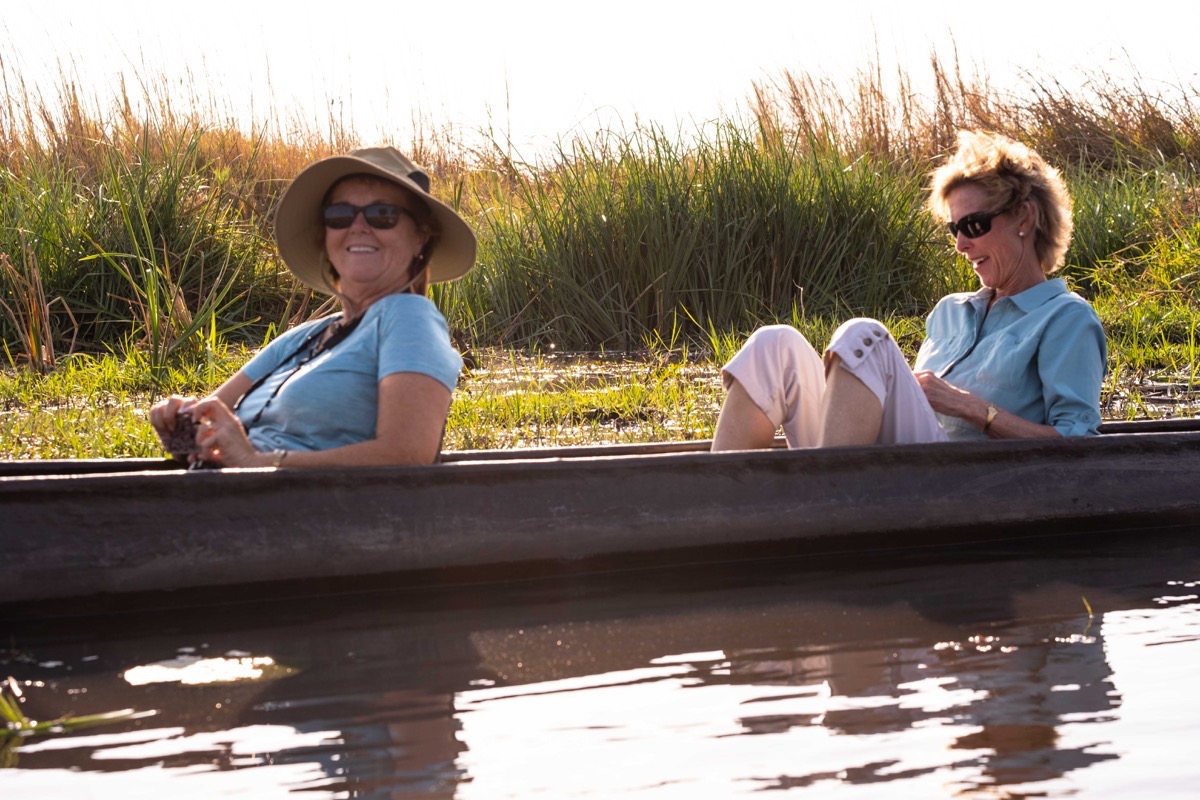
[[1026, 301]]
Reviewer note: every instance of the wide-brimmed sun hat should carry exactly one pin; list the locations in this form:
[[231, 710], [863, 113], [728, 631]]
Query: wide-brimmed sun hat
[[300, 229]]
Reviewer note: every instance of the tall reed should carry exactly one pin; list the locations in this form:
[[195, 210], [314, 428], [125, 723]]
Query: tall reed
[[151, 227], [639, 234], [28, 312]]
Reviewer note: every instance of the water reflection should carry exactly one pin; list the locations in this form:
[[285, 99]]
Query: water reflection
[[973, 674], [907, 658], [1005, 694]]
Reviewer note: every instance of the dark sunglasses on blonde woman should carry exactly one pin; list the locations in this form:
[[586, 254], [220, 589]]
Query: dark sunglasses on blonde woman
[[381, 216], [975, 225]]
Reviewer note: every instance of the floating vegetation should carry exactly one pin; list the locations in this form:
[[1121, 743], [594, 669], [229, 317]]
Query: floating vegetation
[[18, 727]]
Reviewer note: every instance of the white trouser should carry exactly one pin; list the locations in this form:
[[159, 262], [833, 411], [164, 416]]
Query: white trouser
[[785, 378]]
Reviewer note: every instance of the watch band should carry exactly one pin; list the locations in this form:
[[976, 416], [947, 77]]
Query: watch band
[[992, 413]]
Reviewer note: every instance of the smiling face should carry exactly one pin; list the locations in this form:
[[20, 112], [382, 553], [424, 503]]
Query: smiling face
[[372, 262], [1004, 258]]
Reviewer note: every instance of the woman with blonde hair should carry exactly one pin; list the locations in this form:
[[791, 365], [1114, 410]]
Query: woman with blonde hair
[[1022, 357]]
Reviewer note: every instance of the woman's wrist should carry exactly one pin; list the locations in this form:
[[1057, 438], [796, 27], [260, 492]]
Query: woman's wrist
[[267, 459], [990, 412]]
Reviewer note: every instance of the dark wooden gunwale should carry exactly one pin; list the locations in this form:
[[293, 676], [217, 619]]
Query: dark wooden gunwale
[[99, 530], [66, 467]]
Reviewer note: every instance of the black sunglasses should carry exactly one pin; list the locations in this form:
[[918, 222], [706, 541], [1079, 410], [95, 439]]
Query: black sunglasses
[[975, 225], [378, 215]]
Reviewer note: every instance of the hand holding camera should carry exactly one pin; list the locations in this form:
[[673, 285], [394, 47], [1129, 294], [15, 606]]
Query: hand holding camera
[[204, 432]]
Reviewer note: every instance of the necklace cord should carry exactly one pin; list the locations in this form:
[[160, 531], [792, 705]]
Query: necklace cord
[[313, 344]]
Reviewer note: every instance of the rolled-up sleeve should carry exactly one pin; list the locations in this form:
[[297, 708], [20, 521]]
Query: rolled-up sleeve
[[1071, 362]]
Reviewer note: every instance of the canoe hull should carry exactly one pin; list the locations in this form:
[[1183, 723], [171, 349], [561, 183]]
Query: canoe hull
[[74, 536]]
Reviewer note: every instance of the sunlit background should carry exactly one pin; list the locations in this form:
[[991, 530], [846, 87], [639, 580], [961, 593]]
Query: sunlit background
[[531, 73]]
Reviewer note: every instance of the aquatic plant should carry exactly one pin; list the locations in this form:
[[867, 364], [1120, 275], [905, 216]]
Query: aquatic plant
[[17, 726], [137, 257], [150, 228]]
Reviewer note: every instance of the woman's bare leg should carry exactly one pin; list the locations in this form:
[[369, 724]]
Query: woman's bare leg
[[850, 412], [742, 425]]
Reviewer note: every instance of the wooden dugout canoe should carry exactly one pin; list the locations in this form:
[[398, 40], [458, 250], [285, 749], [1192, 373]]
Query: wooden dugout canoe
[[72, 529]]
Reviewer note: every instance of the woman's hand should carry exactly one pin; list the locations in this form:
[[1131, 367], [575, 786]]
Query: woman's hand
[[221, 438], [952, 401], [164, 412]]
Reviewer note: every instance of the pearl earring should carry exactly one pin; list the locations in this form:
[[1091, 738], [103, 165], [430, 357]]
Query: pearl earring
[[1021, 234]]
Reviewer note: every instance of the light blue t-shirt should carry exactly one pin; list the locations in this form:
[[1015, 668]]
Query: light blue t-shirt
[[333, 399], [1039, 354]]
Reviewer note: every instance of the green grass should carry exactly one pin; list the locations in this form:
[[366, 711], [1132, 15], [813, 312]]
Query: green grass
[[137, 259], [550, 400], [97, 407], [643, 234], [150, 231]]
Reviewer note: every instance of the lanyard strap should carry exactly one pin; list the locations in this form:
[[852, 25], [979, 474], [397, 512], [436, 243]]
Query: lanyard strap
[[338, 335]]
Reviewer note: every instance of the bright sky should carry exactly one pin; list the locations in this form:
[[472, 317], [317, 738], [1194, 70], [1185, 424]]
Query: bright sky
[[542, 70]]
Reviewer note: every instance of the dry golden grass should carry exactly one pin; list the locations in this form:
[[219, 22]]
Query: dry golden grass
[[1102, 124], [69, 145]]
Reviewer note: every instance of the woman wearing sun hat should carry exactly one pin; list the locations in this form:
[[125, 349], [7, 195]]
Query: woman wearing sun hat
[[1021, 358], [371, 385]]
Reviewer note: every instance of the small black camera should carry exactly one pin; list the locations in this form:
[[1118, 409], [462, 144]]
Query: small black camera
[[181, 442]]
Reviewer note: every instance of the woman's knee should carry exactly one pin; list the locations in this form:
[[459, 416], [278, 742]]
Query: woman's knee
[[855, 340], [772, 354], [783, 340], [859, 329]]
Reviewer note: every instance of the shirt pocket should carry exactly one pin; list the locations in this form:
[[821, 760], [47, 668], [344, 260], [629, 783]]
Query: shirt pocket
[[1003, 361]]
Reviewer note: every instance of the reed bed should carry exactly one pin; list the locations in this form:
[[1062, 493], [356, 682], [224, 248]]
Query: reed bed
[[635, 237], [97, 407], [136, 257]]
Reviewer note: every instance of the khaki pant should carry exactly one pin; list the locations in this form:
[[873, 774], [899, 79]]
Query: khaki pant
[[785, 378]]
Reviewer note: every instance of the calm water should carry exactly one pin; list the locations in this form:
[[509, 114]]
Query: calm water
[[977, 674]]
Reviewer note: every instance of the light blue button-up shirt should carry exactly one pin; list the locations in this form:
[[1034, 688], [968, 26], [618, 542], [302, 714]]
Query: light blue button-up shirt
[[1039, 354], [333, 399]]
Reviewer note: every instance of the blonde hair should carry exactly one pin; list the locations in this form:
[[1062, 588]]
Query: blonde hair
[[1009, 173]]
